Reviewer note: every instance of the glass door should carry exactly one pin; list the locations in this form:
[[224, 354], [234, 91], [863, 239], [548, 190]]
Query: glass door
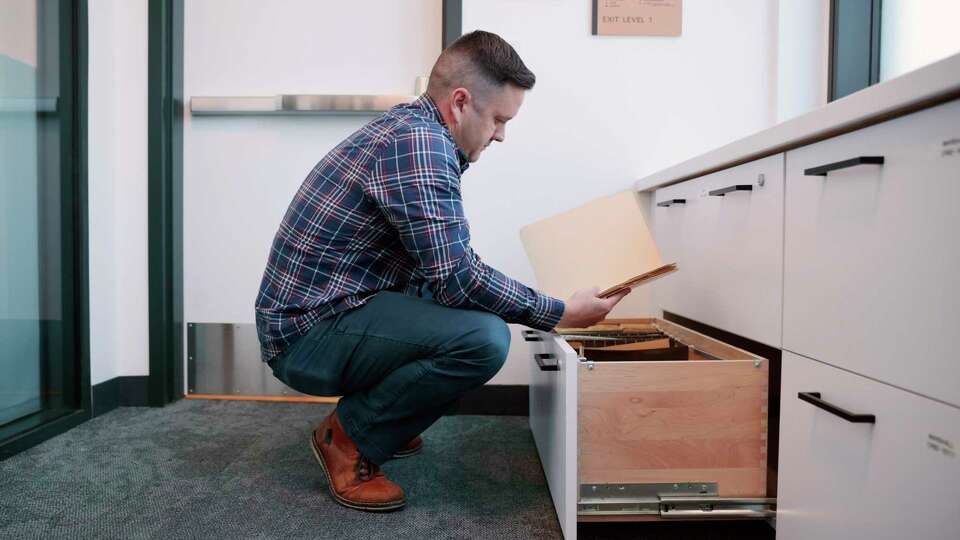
[[40, 353]]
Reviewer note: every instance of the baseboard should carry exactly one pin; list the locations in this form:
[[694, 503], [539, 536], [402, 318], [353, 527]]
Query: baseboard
[[495, 399], [128, 391], [490, 399]]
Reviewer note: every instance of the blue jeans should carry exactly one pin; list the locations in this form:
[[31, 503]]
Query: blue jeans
[[398, 361]]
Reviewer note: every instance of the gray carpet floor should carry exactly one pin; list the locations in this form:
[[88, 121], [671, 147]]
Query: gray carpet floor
[[219, 469]]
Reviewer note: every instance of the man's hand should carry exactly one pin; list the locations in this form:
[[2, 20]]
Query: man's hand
[[585, 308]]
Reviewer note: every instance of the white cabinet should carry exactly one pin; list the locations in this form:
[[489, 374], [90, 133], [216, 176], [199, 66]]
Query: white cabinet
[[847, 255], [728, 249], [896, 478], [872, 265]]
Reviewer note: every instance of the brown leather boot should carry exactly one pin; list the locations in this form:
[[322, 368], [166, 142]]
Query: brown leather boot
[[354, 481], [411, 449]]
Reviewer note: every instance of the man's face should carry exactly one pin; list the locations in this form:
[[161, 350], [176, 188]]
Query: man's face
[[479, 123]]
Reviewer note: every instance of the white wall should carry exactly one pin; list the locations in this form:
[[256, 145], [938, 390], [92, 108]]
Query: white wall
[[117, 145], [915, 33], [605, 111], [608, 110], [803, 30], [240, 173], [18, 31]]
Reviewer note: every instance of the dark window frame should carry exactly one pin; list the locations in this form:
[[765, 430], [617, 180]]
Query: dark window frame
[[854, 46], [452, 26]]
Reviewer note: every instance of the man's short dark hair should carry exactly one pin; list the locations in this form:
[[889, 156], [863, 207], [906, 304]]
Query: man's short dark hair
[[495, 59], [479, 57]]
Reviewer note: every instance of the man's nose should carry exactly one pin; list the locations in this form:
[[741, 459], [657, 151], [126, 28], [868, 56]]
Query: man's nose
[[499, 135]]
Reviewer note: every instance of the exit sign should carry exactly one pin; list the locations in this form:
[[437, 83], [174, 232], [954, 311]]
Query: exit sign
[[637, 17]]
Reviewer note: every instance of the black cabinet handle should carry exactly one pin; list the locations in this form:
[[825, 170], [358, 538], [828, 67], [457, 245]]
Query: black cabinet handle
[[544, 365], [813, 398], [672, 202], [862, 160], [530, 335], [723, 191]]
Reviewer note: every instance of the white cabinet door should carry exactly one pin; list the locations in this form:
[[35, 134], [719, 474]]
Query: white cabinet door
[[728, 249], [894, 479], [872, 255], [553, 421]]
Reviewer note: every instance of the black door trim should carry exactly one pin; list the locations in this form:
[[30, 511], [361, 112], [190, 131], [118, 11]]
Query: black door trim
[[165, 199], [854, 55]]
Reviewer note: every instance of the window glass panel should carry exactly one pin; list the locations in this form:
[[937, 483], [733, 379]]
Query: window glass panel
[[914, 33], [36, 364]]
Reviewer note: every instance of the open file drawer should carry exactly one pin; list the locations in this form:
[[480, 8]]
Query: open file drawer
[[640, 419]]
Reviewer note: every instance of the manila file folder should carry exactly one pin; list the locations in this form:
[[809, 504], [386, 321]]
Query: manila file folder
[[604, 243]]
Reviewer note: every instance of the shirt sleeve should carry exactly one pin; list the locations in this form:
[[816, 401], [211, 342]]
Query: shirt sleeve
[[416, 183]]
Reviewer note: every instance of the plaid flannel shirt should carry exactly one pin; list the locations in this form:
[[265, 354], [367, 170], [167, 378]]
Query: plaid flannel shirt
[[383, 211]]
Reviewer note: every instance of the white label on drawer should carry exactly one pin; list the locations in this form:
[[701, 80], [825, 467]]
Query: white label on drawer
[[941, 445], [950, 148]]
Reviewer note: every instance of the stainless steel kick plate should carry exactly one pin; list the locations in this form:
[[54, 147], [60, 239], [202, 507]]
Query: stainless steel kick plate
[[224, 359]]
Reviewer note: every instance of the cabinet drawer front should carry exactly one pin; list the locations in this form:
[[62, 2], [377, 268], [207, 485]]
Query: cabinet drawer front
[[728, 249], [553, 420], [896, 478], [872, 264]]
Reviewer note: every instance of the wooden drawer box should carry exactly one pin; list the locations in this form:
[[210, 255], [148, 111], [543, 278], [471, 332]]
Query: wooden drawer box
[[638, 419]]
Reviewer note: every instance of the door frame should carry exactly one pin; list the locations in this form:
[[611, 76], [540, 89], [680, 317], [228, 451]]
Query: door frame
[[165, 200]]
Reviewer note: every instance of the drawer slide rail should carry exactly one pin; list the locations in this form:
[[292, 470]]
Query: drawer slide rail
[[717, 508], [697, 500]]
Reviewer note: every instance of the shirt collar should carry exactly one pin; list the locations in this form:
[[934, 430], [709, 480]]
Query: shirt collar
[[426, 102]]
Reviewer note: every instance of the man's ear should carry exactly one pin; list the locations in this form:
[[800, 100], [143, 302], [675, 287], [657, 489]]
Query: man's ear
[[459, 100]]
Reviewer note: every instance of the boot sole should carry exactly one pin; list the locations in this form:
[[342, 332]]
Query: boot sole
[[408, 453], [369, 507]]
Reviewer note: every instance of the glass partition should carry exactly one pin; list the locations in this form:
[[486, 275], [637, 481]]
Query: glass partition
[[39, 349]]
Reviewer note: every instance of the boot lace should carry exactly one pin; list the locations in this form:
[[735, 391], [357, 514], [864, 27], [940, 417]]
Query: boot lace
[[365, 469]]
